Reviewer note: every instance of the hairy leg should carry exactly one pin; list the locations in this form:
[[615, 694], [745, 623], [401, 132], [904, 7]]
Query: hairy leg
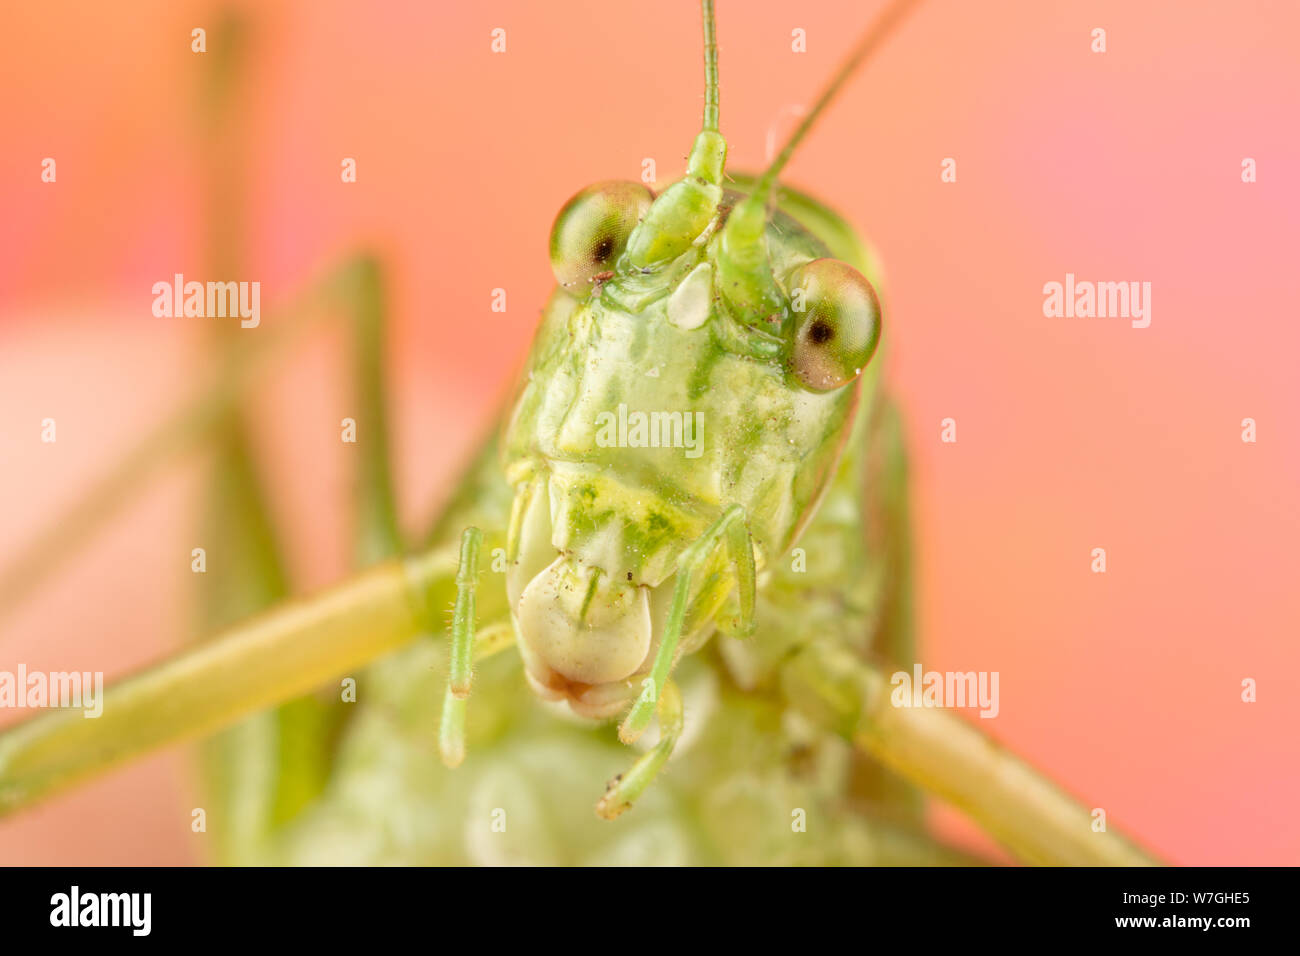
[[728, 531], [625, 788]]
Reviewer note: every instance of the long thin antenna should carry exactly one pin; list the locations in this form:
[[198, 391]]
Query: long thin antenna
[[683, 211], [710, 69], [892, 16]]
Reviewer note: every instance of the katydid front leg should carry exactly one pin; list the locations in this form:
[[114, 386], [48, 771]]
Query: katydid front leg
[[468, 645], [625, 788], [729, 532], [660, 695], [1034, 818], [451, 735]]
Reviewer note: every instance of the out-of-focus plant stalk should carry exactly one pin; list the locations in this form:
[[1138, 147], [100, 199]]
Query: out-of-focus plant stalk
[[182, 432]]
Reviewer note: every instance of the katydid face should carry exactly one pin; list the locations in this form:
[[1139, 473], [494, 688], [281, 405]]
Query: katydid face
[[686, 403], [653, 401]]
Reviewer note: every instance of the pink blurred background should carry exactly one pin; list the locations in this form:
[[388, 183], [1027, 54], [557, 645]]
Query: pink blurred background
[[1072, 433]]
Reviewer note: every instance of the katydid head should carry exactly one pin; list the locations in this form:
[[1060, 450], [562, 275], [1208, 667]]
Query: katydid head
[[817, 316], [703, 351]]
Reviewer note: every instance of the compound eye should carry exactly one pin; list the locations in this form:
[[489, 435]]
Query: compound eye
[[592, 229], [837, 323]]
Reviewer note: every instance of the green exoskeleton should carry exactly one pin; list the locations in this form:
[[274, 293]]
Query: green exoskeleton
[[704, 313], [699, 444]]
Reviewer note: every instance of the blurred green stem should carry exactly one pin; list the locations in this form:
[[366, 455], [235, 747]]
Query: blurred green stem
[[182, 432]]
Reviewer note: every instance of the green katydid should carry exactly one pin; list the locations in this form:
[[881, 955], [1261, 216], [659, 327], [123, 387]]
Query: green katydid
[[743, 318]]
